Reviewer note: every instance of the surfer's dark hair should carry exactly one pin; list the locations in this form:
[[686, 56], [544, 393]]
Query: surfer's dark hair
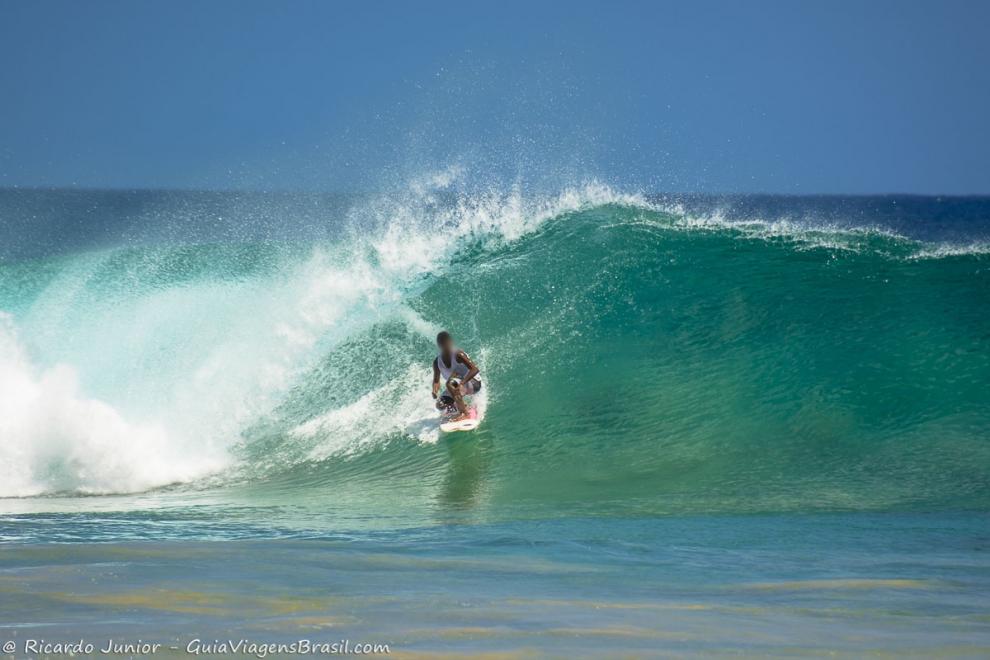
[[442, 337]]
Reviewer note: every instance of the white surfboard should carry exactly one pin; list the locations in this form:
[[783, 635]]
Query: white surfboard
[[469, 424]]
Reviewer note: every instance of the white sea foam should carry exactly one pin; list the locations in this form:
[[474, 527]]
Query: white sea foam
[[809, 233], [402, 405], [943, 250], [56, 439]]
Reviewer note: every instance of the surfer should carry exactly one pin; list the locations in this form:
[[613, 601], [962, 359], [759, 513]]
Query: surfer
[[460, 376]]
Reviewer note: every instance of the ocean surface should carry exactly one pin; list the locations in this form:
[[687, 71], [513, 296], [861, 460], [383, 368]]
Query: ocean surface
[[714, 424]]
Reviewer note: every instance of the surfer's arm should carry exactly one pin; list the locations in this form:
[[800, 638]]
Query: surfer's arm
[[436, 379], [472, 370]]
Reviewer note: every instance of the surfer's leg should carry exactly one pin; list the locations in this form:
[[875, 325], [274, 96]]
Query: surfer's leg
[[445, 404], [455, 392]]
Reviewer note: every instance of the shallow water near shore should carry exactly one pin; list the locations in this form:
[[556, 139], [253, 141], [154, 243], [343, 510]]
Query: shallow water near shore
[[845, 584]]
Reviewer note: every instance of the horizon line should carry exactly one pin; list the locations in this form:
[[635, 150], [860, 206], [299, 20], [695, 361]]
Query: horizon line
[[303, 191]]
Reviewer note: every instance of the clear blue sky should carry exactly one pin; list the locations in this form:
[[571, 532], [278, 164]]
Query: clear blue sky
[[795, 96]]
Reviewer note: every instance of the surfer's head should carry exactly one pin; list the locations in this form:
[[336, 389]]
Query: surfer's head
[[445, 341]]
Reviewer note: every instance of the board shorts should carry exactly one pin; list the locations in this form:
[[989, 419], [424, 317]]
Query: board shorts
[[471, 387]]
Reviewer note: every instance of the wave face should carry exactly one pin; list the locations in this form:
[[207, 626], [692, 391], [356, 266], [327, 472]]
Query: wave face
[[640, 355]]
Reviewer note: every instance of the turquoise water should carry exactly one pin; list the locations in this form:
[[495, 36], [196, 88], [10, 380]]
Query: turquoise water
[[751, 425]]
